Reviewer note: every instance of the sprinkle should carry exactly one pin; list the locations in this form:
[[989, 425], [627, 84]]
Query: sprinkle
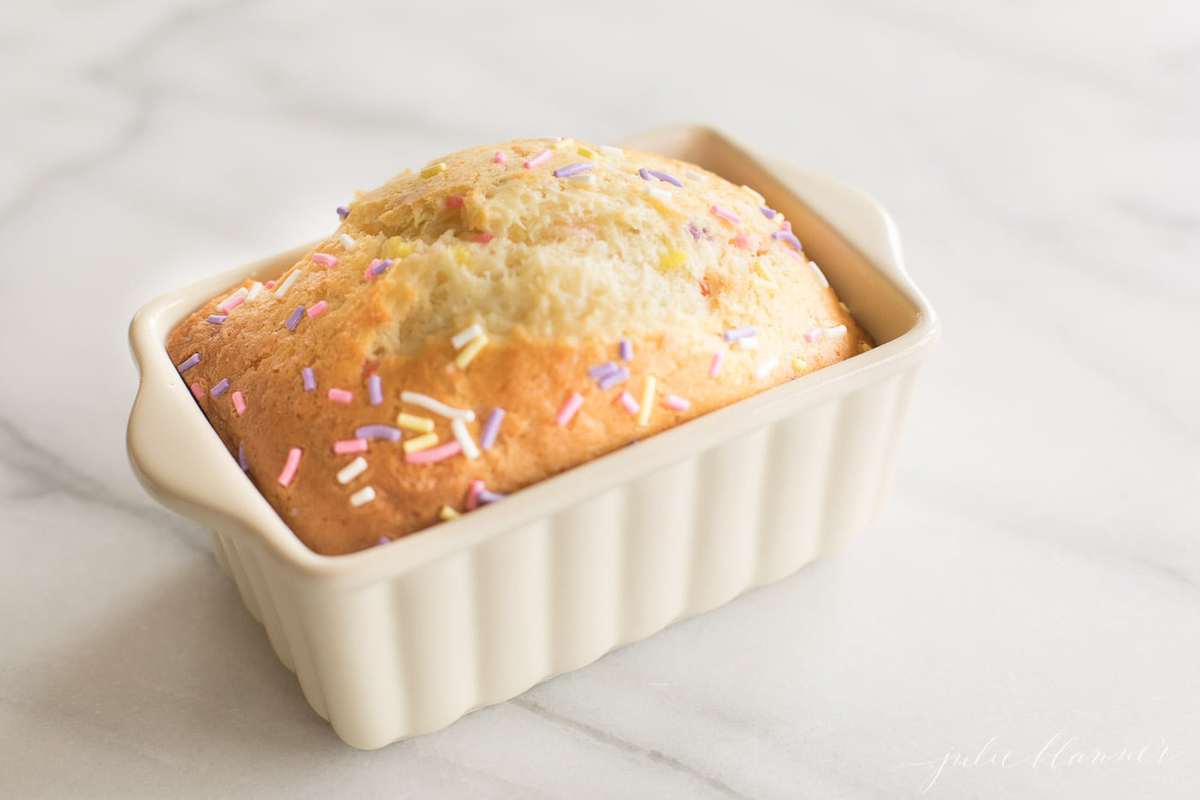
[[586, 152], [601, 371], [568, 410], [396, 248], [609, 150], [361, 498], [376, 431], [239, 402], [309, 379], [375, 390], [537, 160], [789, 237], [487, 497], [741, 241], [749, 343], [812, 334], [463, 437], [188, 362], [345, 446], [378, 266], [216, 319], [343, 212], [820, 275], [324, 259], [766, 367], [647, 400], [347, 241], [630, 404], [436, 406], [382, 541], [352, 470], [483, 237], [318, 308], [697, 232], [672, 259], [290, 466], [571, 170], [661, 194], [233, 301], [676, 403], [733, 334], [434, 169], [294, 319], [612, 379], [413, 423], [197, 390], [836, 332], [769, 213], [421, 443], [725, 214], [269, 285], [242, 462], [220, 389], [473, 490], [662, 176], [447, 513], [714, 366], [454, 201], [282, 289], [256, 288], [491, 429], [499, 158], [468, 353], [626, 350], [341, 396], [433, 454]]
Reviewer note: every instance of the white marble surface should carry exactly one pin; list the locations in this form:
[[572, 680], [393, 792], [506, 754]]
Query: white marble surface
[[1034, 584]]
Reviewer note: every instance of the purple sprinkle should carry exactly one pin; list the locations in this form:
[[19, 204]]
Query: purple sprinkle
[[698, 232], [491, 429], [189, 362], [343, 212], [788, 237], [662, 176], [645, 173], [383, 540], [603, 370], [375, 390], [242, 462], [769, 213], [217, 319], [220, 389], [612, 379], [294, 319], [379, 265], [626, 350], [572, 169], [386, 432], [486, 496], [733, 334], [310, 380]]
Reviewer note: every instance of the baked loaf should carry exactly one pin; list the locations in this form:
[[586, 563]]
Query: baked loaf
[[595, 296]]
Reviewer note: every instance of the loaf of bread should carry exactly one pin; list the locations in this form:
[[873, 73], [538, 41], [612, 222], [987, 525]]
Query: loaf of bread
[[494, 318]]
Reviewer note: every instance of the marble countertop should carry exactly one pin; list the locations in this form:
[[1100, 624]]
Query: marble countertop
[[1024, 619]]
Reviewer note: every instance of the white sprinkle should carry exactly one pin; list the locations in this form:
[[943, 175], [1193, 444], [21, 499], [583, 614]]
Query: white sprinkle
[[836, 332], [609, 150], [347, 241], [282, 289], [362, 496], [469, 448], [255, 290], [661, 194], [352, 470], [437, 406], [747, 343], [765, 368], [583, 177], [465, 335], [820, 275]]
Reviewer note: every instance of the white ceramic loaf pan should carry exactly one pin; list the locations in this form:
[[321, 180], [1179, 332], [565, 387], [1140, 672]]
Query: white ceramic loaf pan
[[404, 639]]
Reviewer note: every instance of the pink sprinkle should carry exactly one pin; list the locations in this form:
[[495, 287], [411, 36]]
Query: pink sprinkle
[[269, 285], [324, 259], [290, 467], [714, 366], [538, 160], [569, 409], [344, 446], [676, 403], [482, 237], [318, 308], [741, 241], [197, 390], [454, 201], [239, 403], [725, 214], [233, 301], [341, 396], [812, 335], [473, 490], [630, 404], [787, 225], [499, 157], [433, 454]]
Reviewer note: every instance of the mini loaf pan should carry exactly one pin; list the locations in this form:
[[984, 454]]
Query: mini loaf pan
[[403, 639]]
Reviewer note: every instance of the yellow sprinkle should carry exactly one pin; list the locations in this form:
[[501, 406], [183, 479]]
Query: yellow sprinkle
[[647, 400], [434, 169], [411, 422], [447, 513], [397, 247], [468, 353], [761, 200], [799, 364], [672, 259], [762, 271], [421, 443], [587, 152]]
